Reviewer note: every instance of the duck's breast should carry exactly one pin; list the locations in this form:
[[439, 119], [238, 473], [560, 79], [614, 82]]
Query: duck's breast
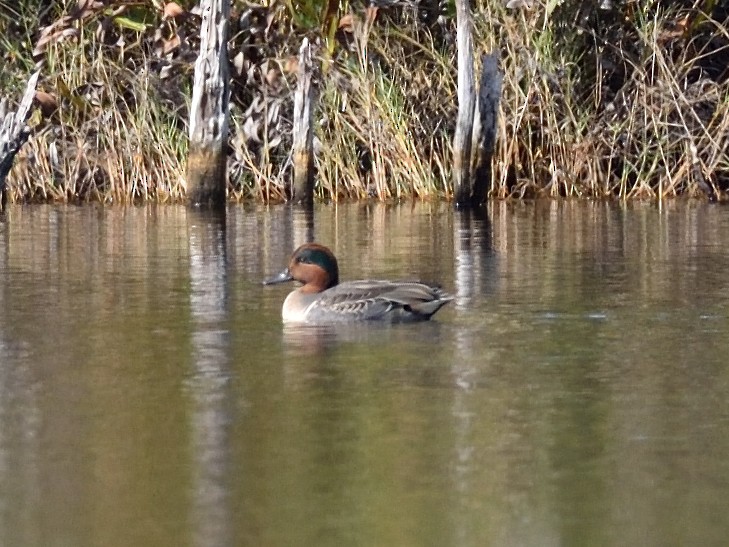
[[296, 307]]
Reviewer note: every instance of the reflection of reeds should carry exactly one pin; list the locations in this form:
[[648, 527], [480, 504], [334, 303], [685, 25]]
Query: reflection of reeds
[[648, 250], [530, 241], [634, 111]]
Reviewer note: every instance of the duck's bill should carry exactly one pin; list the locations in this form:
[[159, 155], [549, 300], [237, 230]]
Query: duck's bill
[[281, 277]]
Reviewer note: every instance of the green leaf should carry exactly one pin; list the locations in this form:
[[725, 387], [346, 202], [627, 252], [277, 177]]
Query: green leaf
[[126, 22]]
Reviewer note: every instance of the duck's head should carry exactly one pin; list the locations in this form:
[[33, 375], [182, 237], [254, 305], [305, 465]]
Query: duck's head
[[312, 264]]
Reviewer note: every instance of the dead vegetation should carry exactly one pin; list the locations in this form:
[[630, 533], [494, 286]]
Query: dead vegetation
[[624, 102]]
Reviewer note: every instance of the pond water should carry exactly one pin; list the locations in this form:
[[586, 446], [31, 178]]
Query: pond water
[[575, 392]]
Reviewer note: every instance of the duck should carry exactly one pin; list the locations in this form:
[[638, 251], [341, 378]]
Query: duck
[[323, 299]]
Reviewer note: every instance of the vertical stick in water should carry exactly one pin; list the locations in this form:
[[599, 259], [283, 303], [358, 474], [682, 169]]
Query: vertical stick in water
[[206, 161], [302, 190], [466, 105], [489, 97], [13, 134]]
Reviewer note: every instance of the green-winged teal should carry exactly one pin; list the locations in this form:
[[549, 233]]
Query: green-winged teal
[[323, 299]]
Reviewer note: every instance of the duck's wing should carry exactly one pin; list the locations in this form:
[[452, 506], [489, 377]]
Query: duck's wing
[[418, 299], [380, 299]]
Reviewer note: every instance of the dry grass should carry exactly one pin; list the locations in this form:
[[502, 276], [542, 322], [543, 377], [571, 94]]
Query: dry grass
[[568, 127], [565, 133], [110, 139], [386, 135]]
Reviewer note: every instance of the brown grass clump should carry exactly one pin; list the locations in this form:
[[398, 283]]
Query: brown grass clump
[[632, 110], [386, 130]]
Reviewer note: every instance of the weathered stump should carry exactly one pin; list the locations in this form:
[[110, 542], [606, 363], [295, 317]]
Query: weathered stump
[[462, 140], [471, 183], [489, 97], [302, 188], [13, 134], [207, 161]]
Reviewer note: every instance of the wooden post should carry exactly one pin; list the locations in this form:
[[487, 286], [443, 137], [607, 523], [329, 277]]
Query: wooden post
[[489, 97], [302, 189], [466, 105], [13, 134], [206, 160]]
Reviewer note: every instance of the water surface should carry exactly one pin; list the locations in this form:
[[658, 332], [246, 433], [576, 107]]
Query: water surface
[[576, 392]]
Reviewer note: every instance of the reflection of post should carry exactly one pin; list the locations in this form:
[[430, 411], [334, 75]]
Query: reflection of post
[[208, 383], [303, 224], [472, 248], [472, 245], [296, 228]]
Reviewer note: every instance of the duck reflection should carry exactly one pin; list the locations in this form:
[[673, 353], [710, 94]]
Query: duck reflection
[[310, 339]]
